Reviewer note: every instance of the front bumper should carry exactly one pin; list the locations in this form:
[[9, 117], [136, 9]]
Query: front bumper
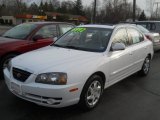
[[42, 94]]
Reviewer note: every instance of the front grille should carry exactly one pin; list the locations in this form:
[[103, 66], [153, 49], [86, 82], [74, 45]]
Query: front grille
[[20, 75]]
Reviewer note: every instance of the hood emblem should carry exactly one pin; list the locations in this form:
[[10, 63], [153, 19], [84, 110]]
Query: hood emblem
[[19, 75]]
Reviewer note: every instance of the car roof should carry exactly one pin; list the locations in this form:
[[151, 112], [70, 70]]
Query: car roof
[[146, 21], [108, 26], [98, 26], [43, 23]]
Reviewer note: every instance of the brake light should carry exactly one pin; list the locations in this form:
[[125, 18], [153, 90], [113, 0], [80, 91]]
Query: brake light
[[148, 37]]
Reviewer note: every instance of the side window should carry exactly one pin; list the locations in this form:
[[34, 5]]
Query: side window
[[149, 25], [64, 28], [157, 25], [48, 31], [121, 36], [135, 36], [141, 37], [143, 24], [153, 26]]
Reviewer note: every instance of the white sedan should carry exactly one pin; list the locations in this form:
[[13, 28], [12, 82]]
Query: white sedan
[[79, 65]]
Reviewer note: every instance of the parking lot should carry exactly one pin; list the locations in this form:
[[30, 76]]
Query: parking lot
[[4, 28], [135, 98]]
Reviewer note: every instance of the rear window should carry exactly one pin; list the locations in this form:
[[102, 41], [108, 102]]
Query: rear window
[[142, 29], [148, 25]]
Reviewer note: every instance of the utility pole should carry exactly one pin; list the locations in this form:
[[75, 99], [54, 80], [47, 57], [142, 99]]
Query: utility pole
[[134, 10], [94, 12]]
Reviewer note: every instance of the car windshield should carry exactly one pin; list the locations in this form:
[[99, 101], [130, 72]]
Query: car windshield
[[86, 39], [142, 29], [20, 31]]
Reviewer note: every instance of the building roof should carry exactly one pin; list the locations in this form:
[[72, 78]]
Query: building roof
[[29, 16], [71, 17]]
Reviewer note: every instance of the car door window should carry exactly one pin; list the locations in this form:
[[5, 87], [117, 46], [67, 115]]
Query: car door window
[[143, 24], [48, 31], [121, 37], [135, 36], [153, 26], [64, 28]]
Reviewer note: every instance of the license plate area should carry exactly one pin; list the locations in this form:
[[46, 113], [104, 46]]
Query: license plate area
[[16, 88]]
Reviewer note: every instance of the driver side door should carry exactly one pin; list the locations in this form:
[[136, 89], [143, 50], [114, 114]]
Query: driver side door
[[47, 33], [120, 61]]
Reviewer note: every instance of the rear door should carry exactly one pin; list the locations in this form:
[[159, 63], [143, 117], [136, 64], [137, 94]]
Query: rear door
[[48, 33], [120, 61]]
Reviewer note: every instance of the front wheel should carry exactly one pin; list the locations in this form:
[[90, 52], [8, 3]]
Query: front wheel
[[146, 67], [4, 62], [92, 92]]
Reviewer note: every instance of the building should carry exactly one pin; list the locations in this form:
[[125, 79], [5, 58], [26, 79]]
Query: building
[[18, 19], [76, 19]]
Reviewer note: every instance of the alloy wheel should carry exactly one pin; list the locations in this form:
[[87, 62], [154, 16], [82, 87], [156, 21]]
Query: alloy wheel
[[93, 93], [146, 65]]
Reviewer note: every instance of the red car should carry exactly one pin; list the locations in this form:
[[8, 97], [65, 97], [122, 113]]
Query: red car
[[27, 37]]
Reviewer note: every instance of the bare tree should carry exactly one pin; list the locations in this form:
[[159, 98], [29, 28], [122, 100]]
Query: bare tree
[[150, 7]]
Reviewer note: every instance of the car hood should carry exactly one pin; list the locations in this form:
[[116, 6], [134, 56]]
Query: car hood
[[52, 57], [4, 42], [7, 40]]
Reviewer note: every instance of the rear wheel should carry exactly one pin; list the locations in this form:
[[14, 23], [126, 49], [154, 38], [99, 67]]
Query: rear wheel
[[146, 67], [91, 93]]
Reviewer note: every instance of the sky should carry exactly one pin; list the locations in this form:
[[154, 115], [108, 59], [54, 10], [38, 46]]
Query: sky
[[141, 3]]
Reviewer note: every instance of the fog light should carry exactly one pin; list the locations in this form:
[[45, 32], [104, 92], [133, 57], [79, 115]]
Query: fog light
[[51, 101]]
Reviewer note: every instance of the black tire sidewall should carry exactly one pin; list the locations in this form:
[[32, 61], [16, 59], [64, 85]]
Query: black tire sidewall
[[83, 102], [4, 59], [142, 72], [149, 66]]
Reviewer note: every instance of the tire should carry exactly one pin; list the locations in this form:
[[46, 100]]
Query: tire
[[4, 62], [91, 93], [146, 67]]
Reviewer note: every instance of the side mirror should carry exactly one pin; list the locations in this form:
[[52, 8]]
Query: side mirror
[[37, 37], [118, 46]]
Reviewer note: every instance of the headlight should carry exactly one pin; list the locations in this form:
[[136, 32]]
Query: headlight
[[55, 78]]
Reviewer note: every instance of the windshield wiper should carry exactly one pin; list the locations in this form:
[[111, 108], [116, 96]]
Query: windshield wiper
[[67, 46], [71, 47], [57, 45], [7, 36]]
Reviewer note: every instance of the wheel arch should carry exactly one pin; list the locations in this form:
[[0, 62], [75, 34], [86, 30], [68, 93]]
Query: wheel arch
[[82, 94], [99, 73], [149, 55], [13, 52]]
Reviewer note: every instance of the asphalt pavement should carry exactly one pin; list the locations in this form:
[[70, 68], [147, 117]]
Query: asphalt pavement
[[135, 98]]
